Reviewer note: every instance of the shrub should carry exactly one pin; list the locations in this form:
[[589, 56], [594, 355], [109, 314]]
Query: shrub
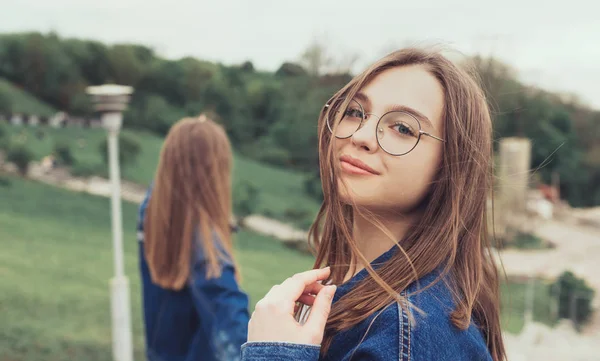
[[129, 150], [313, 187], [63, 154], [21, 156], [246, 198], [574, 298], [525, 240]]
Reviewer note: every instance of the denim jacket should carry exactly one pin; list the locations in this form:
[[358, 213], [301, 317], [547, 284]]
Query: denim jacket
[[206, 320], [388, 334]]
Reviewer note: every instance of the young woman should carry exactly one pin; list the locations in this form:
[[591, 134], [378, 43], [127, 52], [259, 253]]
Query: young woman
[[405, 152], [193, 307]]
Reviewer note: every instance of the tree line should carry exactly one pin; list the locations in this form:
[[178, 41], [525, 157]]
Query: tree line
[[271, 116]]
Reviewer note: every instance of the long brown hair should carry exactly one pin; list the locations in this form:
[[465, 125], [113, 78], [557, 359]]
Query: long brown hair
[[453, 230], [191, 193]]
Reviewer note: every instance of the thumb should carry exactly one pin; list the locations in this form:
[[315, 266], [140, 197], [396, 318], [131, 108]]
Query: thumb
[[320, 311]]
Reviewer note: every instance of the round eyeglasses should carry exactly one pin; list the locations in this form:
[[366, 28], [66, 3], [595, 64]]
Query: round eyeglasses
[[397, 132]]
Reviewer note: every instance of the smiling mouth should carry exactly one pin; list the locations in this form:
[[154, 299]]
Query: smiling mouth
[[355, 166]]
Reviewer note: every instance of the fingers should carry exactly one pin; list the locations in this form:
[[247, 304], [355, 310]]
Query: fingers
[[302, 280], [282, 298], [273, 319], [292, 288], [320, 310]]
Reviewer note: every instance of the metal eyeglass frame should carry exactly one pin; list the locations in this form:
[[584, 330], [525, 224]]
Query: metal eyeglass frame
[[378, 129]]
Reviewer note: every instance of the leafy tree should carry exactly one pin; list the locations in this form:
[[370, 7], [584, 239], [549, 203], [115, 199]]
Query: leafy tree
[[290, 69], [129, 63], [152, 112]]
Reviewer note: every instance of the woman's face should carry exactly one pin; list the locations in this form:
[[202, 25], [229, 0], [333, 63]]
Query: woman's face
[[370, 176]]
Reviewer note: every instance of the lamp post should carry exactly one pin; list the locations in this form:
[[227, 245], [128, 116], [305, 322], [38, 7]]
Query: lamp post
[[111, 100]]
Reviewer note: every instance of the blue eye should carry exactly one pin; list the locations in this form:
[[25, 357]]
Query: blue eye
[[403, 129]]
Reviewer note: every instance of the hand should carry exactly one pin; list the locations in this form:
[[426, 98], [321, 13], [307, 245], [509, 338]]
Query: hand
[[273, 318]]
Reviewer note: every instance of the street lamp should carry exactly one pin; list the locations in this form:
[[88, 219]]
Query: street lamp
[[111, 100]]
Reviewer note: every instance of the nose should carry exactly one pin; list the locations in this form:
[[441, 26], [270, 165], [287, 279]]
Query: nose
[[365, 137]]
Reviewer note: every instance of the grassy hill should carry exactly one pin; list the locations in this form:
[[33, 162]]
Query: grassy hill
[[23, 102], [280, 190]]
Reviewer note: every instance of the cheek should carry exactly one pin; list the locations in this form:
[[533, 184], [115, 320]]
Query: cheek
[[338, 144], [411, 179]]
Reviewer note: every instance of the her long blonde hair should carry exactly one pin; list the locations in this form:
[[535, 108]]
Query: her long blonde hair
[[453, 231], [191, 195]]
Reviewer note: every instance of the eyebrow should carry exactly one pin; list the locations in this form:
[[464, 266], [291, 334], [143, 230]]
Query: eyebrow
[[397, 108]]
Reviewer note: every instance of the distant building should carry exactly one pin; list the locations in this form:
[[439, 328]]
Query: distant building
[[58, 120], [33, 120], [16, 119]]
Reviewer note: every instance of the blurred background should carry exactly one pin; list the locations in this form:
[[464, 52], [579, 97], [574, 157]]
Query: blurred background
[[264, 69]]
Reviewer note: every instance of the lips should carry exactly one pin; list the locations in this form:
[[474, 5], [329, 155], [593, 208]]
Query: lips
[[353, 165]]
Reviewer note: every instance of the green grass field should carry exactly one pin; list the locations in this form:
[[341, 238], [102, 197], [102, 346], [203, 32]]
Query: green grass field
[[279, 189], [23, 102], [56, 262]]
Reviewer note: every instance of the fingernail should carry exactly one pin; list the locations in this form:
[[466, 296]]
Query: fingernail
[[332, 289]]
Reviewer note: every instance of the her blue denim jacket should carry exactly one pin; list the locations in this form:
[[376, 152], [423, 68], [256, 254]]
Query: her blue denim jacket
[[206, 320], [387, 334]]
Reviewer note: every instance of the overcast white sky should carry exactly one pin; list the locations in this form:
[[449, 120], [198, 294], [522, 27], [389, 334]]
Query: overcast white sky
[[553, 44]]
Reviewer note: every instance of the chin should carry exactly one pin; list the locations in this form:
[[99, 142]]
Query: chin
[[374, 199], [353, 194]]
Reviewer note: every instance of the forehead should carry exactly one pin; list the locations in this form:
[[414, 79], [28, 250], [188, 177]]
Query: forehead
[[410, 86]]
